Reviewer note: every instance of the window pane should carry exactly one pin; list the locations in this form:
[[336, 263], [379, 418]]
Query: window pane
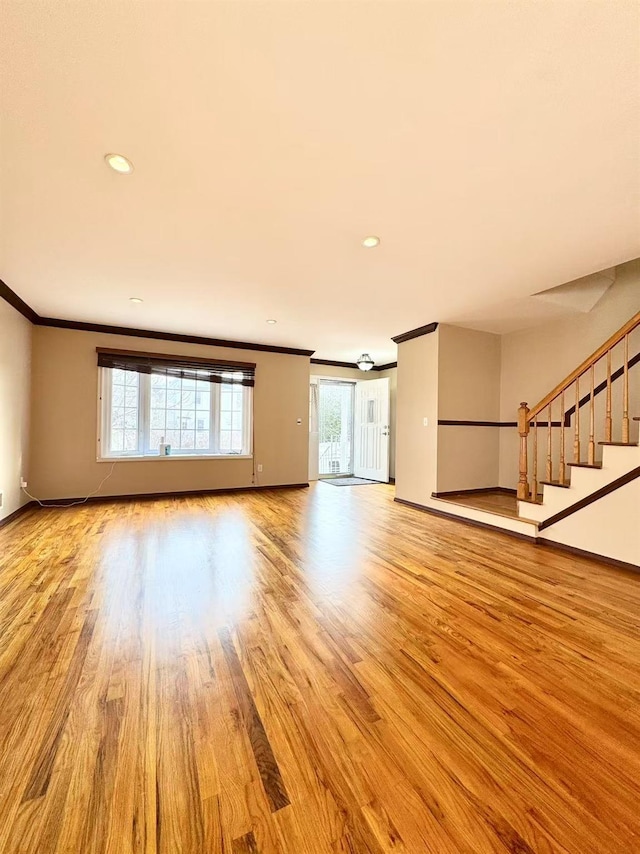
[[131, 440], [131, 419], [202, 421], [117, 441], [158, 398], [188, 398], [225, 441], [187, 439], [173, 438], [117, 417], [130, 378], [155, 437], [118, 376], [158, 381], [173, 419], [203, 401], [173, 399], [225, 420], [237, 401], [117, 398], [202, 439], [236, 440], [188, 420], [157, 418], [174, 382]]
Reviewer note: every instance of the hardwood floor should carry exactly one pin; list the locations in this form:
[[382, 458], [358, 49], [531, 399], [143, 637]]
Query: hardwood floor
[[312, 671], [502, 503]]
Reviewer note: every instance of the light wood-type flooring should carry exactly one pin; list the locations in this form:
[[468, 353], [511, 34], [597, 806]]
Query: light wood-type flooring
[[310, 672]]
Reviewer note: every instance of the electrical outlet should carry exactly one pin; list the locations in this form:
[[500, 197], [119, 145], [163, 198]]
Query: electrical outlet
[[260, 467], [425, 422], [1, 496], [23, 483]]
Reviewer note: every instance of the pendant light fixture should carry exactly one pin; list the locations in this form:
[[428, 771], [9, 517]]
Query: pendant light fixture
[[365, 362]]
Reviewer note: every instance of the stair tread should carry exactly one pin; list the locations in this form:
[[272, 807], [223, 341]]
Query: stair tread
[[621, 444], [586, 465], [555, 483]]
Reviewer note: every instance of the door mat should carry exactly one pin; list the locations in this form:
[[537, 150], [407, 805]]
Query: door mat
[[347, 481]]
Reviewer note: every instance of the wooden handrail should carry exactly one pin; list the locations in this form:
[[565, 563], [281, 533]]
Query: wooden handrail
[[618, 336], [528, 417]]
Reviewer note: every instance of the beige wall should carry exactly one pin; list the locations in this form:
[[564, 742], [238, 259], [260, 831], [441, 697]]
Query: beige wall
[[417, 398], [358, 375], [64, 421], [15, 370], [468, 390], [340, 373], [535, 360]]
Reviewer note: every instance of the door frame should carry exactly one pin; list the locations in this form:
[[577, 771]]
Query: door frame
[[316, 379]]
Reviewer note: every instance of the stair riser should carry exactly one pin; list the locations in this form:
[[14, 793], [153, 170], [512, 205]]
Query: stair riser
[[584, 481]]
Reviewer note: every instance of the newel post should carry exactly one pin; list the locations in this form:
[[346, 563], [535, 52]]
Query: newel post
[[523, 430]]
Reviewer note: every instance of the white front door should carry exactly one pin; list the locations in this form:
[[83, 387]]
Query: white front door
[[371, 439]]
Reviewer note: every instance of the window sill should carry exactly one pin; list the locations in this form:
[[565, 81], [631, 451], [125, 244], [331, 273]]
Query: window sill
[[158, 458]]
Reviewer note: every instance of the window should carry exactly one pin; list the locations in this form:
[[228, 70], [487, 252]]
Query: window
[[195, 415]]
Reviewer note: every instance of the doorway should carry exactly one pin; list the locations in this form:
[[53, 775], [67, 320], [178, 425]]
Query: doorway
[[349, 428], [335, 428]]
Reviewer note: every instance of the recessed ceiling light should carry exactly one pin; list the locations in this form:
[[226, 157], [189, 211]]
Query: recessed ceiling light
[[119, 163], [135, 300], [272, 321], [371, 241]]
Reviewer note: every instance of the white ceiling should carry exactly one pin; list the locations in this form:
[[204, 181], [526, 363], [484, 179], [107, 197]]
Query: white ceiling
[[493, 146]]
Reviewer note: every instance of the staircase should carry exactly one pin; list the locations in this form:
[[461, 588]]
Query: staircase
[[589, 450], [579, 461]]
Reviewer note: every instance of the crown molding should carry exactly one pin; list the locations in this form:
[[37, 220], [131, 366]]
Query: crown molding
[[19, 304], [26, 311], [352, 365], [415, 333]]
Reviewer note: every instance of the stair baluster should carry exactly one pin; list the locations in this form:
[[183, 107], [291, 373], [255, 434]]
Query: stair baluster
[[562, 463], [592, 423], [549, 471], [535, 460], [576, 436], [608, 423], [625, 392]]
